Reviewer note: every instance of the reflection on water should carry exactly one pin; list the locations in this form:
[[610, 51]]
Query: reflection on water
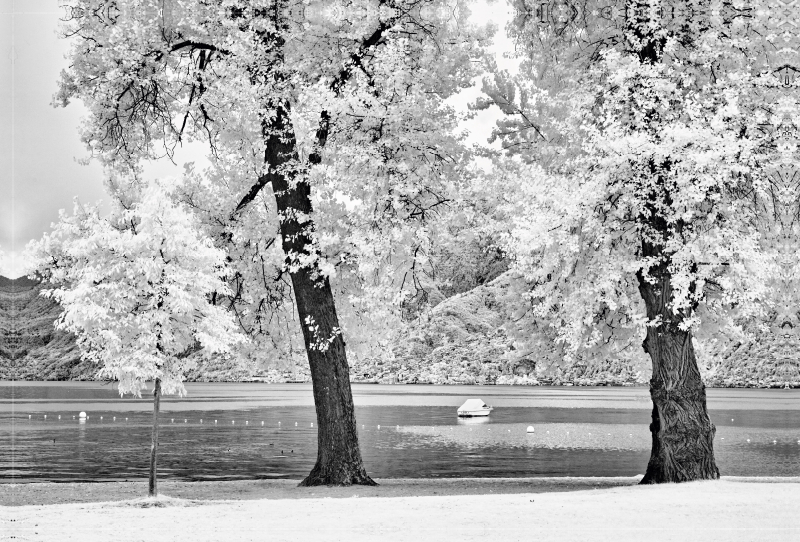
[[425, 440]]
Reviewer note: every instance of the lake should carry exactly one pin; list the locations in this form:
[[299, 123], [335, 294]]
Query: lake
[[249, 430]]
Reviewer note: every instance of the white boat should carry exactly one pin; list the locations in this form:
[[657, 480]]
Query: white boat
[[474, 407]]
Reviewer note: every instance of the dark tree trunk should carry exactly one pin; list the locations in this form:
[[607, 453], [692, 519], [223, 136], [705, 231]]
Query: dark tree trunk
[[683, 435], [153, 485], [338, 455]]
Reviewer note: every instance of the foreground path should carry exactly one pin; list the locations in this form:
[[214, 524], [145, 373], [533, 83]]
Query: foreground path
[[709, 511]]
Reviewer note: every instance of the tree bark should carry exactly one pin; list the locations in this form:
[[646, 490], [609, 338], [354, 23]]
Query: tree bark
[[338, 455], [683, 435], [153, 483]]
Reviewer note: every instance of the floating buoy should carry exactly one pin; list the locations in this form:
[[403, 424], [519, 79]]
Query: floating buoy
[[509, 430], [233, 422], [59, 416], [362, 427], [548, 432], [530, 429], [184, 420], [73, 417], [398, 428], [82, 415], [774, 442], [295, 424], [312, 425], [731, 419], [722, 438], [45, 416], [172, 420], [378, 426], [748, 440], [247, 422], [115, 418], [101, 417], [262, 423], [215, 421], [126, 419], [201, 420], [29, 416]]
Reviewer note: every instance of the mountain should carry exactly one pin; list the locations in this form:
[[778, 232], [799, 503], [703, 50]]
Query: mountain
[[30, 347]]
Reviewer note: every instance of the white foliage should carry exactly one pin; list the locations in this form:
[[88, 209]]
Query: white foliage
[[136, 288]]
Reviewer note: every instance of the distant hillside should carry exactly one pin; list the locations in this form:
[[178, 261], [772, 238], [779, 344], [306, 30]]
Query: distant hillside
[[469, 338], [472, 338], [30, 347]]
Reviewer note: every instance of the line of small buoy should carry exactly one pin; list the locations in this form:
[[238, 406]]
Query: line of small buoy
[[530, 429]]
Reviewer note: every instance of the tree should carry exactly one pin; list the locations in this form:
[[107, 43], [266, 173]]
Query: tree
[[345, 98], [136, 290], [632, 145]]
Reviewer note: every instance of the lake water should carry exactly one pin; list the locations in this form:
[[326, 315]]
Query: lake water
[[246, 431]]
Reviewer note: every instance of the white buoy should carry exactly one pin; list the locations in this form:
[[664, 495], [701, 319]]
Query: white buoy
[[398, 428], [172, 420], [215, 421], [247, 422], [233, 422], [29, 416], [115, 419], [262, 423], [748, 440], [185, 420], [731, 419], [126, 419], [59, 416], [45, 416], [201, 420], [312, 425], [101, 418], [295, 424], [82, 415], [530, 429]]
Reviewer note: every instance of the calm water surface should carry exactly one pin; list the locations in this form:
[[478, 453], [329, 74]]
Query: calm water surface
[[243, 431]]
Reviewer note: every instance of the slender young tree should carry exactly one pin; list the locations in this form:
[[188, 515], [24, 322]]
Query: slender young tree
[[320, 101], [135, 289]]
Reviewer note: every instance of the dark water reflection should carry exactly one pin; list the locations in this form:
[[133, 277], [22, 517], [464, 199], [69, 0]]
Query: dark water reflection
[[397, 441]]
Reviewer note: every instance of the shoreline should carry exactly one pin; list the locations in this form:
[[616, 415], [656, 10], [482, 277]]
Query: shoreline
[[34, 493], [713, 511]]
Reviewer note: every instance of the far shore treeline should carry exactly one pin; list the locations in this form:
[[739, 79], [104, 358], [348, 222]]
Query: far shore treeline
[[469, 354]]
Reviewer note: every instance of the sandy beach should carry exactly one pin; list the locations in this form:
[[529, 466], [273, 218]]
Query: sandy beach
[[458, 509]]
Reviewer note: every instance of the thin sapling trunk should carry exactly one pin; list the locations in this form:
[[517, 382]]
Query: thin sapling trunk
[[153, 489]]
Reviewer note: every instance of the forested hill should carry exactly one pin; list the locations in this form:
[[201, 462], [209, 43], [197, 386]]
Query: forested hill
[[30, 347], [468, 338], [476, 338]]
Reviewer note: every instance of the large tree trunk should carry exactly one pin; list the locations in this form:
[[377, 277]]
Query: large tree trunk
[[153, 485], [338, 455], [683, 435]]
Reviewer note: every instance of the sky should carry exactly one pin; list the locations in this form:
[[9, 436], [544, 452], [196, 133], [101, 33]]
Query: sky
[[40, 146]]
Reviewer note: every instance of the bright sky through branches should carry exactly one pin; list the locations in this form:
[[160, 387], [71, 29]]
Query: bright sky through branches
[[41, 147]]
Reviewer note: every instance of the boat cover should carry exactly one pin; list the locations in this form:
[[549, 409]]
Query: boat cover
[[473, 404]]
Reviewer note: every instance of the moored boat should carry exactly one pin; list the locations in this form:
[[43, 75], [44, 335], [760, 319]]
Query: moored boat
[[474, 407]]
